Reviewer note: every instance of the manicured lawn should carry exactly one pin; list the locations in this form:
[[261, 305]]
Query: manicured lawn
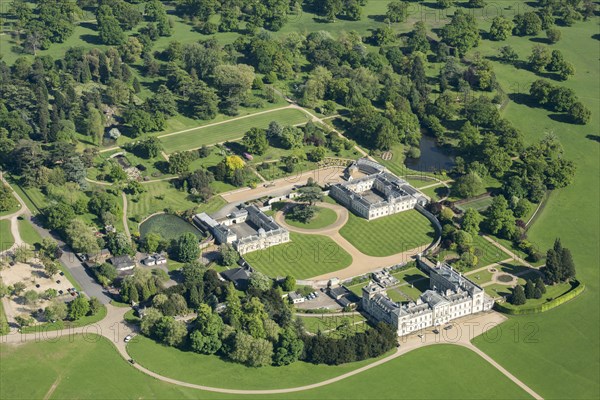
[[29, 371], [210, 370], [161, 195], [481, 277], [28, 232], [409, 275], [49, 326], [486, 252], [168, 226], [230, 130], [478, 204], [329, 322], [323, 217], [436, 192], [7, 239], [305, 256], [3, 321], [390, 234]]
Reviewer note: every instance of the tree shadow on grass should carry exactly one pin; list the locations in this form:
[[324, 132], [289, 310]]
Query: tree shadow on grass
[[564, 118], [540, 40], [91, 39], [523, 99], [595, 138]]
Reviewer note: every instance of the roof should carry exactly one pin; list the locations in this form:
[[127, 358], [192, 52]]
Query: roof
[[295, 295], [121, 260], [239, 276], [338, 291]]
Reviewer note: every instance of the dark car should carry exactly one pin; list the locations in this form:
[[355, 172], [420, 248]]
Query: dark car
[[436, 331], [448, 327]]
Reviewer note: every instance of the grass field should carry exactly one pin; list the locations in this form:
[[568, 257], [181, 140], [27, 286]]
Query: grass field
[[330, 323], [563, 368], [28, 232], [210, 370], [30, 370], [436, 192], [486, 252], [7, 239], [303, 257], [168, 226], [390, 234], [323, 217], [230, 130], [4, 329]]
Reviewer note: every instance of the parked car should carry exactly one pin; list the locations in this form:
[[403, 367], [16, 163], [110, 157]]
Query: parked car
[[128, 338], [436, 331], [448, 327]]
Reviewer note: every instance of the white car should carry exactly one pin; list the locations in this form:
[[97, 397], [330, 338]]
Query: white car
[[128, 338]]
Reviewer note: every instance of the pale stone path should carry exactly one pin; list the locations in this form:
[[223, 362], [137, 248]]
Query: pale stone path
[[361, 263], [507, 251], [125, 226], [114, 329]]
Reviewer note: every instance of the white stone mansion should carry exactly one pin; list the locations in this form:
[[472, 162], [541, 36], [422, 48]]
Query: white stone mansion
[[451, 296], [376, 194], [247, 229]]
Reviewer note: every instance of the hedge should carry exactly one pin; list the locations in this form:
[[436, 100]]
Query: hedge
[[576, 289]]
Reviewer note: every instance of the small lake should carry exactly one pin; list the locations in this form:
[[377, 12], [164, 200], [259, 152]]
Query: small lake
[[433, 158], [168, 226]]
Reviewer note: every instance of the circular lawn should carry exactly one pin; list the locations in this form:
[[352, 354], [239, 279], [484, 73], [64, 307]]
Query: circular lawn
[[323, 217]]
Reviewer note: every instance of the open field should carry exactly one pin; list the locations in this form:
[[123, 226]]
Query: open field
[[28, 233], [168, 226], [303, 257], [30, 370], [323, 217], [477, 204], [486, 252], [230, 130], [410, 229], [436, 192], [563, 368], [6, 238]]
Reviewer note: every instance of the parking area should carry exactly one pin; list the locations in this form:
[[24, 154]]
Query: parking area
[[34, 278], [322, 300]]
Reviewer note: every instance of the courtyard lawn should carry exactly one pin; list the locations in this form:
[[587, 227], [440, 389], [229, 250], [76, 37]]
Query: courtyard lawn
[[390, 234], [332, 322], [486, 252], [230, 130], [477, 204], [6, 237], [305, 256], [323, 217], [168, 226], [28, 232], [409, 275]]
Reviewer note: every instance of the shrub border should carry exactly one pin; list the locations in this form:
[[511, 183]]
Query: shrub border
[[577, 288]]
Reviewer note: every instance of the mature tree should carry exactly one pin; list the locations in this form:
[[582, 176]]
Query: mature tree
[[31, 297], [579, 113], [540, 57], [539, 285], [529, 289], [553, 35], [527, 24], [471, 220], [501, 28], [289, 283], [169, 331], [162, 101], [228, 255], [208, 326], [81, 238], [187, 248], [256, 141], [417, 40], [203, 101], [254, 352], [79, 308], [56, 310], [289, 347], [260, 281], [500, 219], [518, 296], [109, 30], [179, 162], [397, 11], [462, 32], [50, 267], [310, 194], [119, 244], [468, 185]]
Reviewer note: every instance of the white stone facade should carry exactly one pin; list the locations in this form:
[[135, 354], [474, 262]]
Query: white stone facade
[[451, 296]]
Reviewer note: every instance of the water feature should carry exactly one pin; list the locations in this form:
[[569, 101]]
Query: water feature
[[433, 158]]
